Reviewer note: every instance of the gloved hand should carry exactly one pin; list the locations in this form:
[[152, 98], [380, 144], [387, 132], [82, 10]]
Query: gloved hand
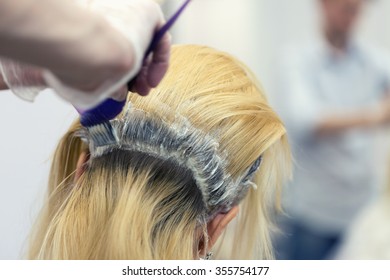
[[139, 20], [25, 81], [84, 53]]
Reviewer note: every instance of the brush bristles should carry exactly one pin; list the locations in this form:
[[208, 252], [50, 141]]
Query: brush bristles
[[103, 134]]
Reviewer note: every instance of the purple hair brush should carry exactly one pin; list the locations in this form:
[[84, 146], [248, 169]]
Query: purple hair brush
[[110, 108]]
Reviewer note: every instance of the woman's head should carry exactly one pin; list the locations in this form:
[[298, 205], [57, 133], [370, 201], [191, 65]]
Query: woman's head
[[164, 179]]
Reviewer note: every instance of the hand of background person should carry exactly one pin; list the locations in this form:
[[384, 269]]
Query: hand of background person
[[382, 113], [370, 117]]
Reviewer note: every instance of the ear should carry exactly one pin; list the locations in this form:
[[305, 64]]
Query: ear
[[217, 225], [80, 168]]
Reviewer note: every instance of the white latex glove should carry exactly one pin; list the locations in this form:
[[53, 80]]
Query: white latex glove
[[82, 47]]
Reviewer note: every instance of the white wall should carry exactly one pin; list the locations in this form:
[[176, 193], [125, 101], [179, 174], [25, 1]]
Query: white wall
[[28, 138], [253, 30]]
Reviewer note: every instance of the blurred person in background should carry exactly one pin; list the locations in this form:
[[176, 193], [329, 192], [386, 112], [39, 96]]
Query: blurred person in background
[[334, 98]]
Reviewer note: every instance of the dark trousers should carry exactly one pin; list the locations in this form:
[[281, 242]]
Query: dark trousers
[[297, 242]]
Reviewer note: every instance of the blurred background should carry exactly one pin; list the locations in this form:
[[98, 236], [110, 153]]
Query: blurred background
[[255, 31]]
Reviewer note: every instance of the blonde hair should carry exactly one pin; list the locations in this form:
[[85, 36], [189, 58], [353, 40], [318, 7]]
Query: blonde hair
[[130, 205]]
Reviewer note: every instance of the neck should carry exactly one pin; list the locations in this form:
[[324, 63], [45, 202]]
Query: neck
[[337, 40]]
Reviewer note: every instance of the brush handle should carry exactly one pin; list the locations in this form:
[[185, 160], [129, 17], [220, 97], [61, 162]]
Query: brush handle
[[107, 110], [159, 35]]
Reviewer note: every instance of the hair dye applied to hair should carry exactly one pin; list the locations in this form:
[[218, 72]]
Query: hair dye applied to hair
[[204, 141]]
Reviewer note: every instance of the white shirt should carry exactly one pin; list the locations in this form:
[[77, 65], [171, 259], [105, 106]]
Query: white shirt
[[337, 175]]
